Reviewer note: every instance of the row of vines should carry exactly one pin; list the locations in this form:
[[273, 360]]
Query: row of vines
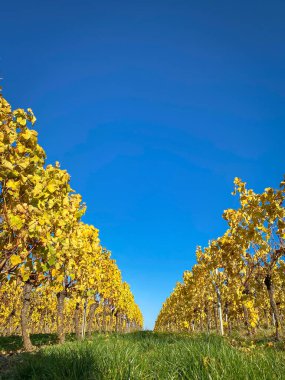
[[238, 282], [55, 277]]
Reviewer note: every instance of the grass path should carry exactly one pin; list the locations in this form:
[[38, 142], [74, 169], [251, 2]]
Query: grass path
[[147, 355]]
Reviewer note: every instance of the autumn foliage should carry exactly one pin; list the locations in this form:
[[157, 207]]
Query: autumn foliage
[[54, 274], [239, 279]]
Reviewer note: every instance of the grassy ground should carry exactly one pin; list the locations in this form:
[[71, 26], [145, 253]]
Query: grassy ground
[[147, 355]]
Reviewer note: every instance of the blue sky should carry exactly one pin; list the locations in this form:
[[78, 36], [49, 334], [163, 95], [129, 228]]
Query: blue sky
[[153, 107]]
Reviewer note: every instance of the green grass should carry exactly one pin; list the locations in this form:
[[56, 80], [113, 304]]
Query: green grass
[[147, 355]]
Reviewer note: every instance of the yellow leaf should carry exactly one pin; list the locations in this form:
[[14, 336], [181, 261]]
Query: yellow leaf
[[26, 276], [16, 222], [27, 134], [7, 164], [31, 116], [13, 185], [51, 187], [21, 120], [15, 260]]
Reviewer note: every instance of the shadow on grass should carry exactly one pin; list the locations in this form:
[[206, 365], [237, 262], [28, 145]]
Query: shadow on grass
[[15, 342], [57, 365]]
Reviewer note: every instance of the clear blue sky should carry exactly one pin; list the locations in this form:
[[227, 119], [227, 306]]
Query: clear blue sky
[[153, 107]]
